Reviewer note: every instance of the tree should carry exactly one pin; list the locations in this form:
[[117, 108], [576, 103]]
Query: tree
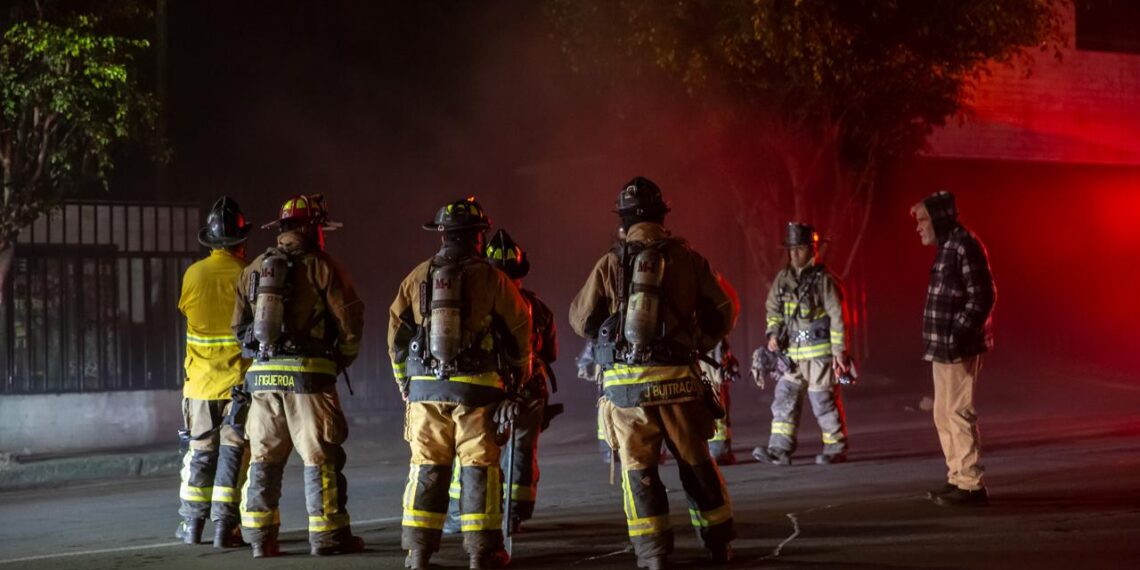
[[807, 98], [69, 97]]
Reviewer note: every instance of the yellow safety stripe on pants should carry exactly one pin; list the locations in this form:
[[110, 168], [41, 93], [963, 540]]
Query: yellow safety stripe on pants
[[832, 438], [195, 494], [810, 352], [494, 500], [480, 521], [522, 493], [453, 488], [423, 519], [325, 523], [312, 365], [211, 339], [783, 428], [625, 375], [489, 379], [721, 433], [225, 495], [601, 427], [400, 371], [705, 519], [260, 519], [648, 525]]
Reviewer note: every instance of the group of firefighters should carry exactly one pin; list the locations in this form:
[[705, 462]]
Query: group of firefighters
[[471, 352]]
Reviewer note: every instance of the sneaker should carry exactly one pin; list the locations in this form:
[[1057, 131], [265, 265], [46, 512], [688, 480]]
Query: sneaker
[[190, 530], [351, 545], [940, 491], [830, 458], [267, 549], [494, 559], [773, 456], [962, 498]]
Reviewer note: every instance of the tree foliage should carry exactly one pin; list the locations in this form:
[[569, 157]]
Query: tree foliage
[[819, 92]]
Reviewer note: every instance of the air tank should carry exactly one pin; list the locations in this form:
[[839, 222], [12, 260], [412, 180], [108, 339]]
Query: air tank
[[269, 311], [644, 303], [446, 301]]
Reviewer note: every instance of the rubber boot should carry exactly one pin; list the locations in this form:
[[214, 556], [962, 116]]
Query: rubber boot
[[190, 530], [227, 534], [773, 456], [494, 559], [267, 549], [350, 545], [418, 559], [720, 553], [652, 562]]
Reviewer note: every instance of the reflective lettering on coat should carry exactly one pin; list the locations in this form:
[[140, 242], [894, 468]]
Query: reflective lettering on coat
[[282, 380]]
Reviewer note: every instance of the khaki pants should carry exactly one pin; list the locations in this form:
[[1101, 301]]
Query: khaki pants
[[213, 469], [438, 432], [314, 425], [637, 434], [817, 378], [957, 422]]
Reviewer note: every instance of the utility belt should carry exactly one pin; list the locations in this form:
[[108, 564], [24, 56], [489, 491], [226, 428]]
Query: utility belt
[[303, 375]]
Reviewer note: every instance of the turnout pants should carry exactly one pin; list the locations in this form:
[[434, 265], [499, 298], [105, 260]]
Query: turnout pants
[[685, 428], [720, 445], [213, 469], [438, 432], [315, 426], [957, 422], [818, 380]]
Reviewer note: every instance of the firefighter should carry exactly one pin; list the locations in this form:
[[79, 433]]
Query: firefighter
[[590, 371], [807, 320], [507, 256], [214, 466], [301, 319], [459, 335], [652, 304]]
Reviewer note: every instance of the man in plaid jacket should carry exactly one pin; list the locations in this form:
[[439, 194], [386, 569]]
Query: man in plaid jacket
[[957, 328]]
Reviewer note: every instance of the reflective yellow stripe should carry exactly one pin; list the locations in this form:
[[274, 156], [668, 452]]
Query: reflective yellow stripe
[[705, 519], [423, 519], [648, 525], [400, 371], [480, 521], [211, 339], [325, 523], [453, 489], [260, 519], [625, 375], [225, 495], [721, 433], [313, 365], [832, 438], [489, 379], [522, 493], [774, 321], [783, 428], [809, 352], [195, 494]]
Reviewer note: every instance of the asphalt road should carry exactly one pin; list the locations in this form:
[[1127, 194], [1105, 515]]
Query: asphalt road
[[1064, 480]]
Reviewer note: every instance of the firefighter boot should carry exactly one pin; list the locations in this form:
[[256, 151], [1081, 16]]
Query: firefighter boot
[[830, 458], [962, 498], [227, 534], [350, 545], [267, 549], [493, 559], [720, 553], [418, 559], [940, 490], [190, 530], [772, 455]]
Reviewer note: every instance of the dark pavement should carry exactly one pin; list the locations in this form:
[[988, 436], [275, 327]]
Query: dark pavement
[[1063, 468]]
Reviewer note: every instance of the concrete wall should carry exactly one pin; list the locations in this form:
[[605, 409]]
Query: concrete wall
[[62, 423]]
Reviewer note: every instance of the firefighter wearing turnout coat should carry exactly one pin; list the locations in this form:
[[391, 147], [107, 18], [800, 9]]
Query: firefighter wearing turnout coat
[[459, 335], [215, 463], [653, 305], [301, 320], [807, 320]]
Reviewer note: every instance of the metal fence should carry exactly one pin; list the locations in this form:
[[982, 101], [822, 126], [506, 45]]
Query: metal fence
[[92, 299]]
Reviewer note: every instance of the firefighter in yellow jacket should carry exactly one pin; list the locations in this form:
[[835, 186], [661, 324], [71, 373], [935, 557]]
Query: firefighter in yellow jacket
[[300, 318], [652, 305], [807, 320], [215, 463], [459, 338]]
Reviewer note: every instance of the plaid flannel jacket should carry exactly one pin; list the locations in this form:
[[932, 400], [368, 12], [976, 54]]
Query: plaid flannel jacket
[[958, 319]]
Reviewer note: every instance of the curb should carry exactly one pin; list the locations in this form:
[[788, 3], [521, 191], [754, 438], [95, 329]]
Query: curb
[[54, 472]]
